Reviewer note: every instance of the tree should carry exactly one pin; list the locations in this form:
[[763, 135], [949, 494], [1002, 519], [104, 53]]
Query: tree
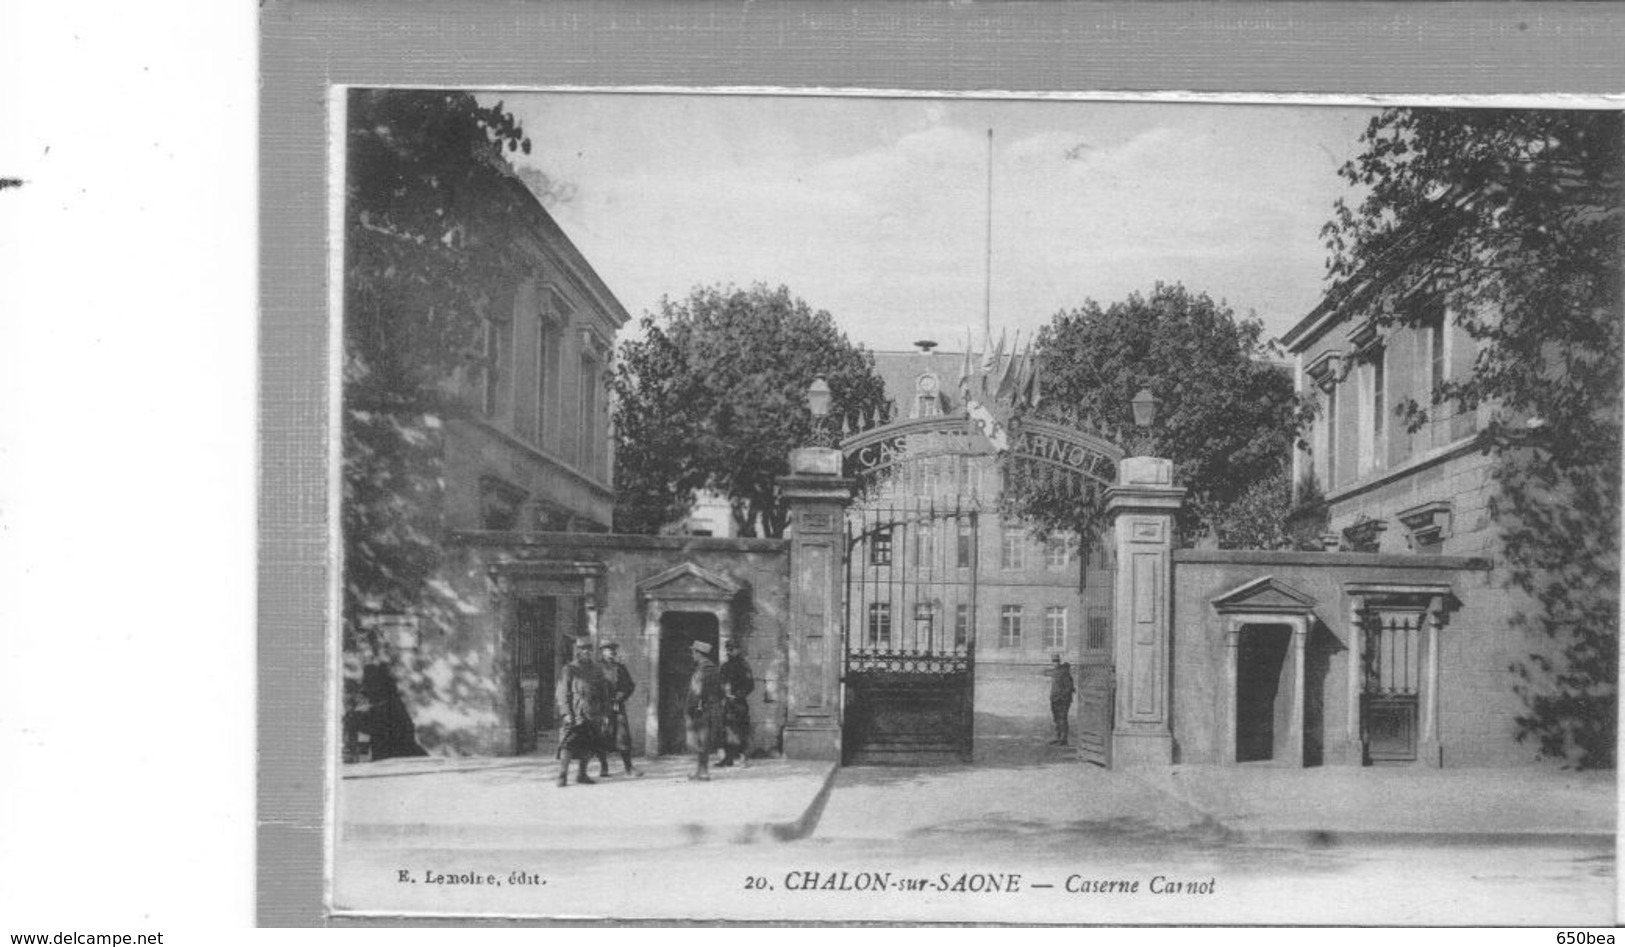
[[713, 397], [1512, 221], [430, 213], [1225, 415]]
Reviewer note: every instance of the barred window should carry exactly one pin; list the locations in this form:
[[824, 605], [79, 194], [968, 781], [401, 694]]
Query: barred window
[[1010, 626], [965, 553], [961, 626]]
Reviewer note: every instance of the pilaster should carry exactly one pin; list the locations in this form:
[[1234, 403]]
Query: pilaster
[[1142, 507], [817, 496]]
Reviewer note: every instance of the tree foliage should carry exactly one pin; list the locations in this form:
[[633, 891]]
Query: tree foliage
[[1512, 221], [1225, 415], [712, 396], [431, 213]]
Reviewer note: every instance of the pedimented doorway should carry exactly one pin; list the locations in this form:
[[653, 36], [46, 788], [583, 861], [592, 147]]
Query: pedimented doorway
[[1265, 687], [678, 632]]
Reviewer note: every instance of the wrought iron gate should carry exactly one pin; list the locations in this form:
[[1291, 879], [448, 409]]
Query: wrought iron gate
[[910, 635], [1390, 659]]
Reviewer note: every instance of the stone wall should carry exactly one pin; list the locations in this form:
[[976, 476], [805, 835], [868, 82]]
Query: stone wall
[[1476, 703], [467, 701]]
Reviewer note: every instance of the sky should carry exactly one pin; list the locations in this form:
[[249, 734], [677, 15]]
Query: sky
[[877, 209]]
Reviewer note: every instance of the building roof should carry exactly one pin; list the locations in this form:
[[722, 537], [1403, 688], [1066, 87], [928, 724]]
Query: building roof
[[900, 370], [552, 239]]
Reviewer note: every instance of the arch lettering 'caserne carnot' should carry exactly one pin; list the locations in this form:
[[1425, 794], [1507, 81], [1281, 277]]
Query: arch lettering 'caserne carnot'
[[874, 453]]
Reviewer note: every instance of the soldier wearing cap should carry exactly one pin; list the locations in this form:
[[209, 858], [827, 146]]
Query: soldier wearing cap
[[618, 732], [1060, 698], [583, 703], [704, 709], [737, 684]]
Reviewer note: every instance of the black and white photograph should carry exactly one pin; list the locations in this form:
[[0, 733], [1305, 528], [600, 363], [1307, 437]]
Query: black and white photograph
[[777, 469], [896, 508]]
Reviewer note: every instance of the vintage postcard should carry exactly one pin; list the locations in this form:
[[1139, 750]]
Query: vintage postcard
[[924, 508]]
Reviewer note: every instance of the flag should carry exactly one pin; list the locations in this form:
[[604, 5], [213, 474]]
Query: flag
[[1010, 373], [966, 371], [991, 360], [1030, 393]]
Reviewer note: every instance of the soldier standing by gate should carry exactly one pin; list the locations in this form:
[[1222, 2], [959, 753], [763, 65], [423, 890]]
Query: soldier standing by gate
[[1060, 698], [583, 697], [704, 710], [618, 735], [737, 684]]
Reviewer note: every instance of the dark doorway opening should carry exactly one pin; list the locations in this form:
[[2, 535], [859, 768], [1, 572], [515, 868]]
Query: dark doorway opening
[[678, 632], [536, 626], [1261, 718]]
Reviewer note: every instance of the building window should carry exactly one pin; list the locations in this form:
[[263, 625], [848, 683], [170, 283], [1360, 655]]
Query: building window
[[961, 626], [965, 548], [925, 623], [1013, 549], [490, 367], [1438, 367], [1057, 553], [1331, 437], [1379, 396], [928, 476], [880, 624], [589, 434], [880, 548], [1373, 379], [547, 349], [1055, 627], [925, 546], [1010, 626]]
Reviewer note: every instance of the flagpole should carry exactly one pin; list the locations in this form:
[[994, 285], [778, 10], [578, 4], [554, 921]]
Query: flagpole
[[987, 281]]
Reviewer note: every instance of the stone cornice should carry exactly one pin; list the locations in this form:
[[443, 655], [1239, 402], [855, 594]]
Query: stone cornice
[[1256, 557], [575, 544]]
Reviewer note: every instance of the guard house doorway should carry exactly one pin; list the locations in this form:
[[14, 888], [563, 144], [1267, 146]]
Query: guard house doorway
[[535, 657], [678, 632], [1263, 690]]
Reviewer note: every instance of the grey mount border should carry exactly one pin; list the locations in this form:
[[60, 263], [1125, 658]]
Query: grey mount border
[[308, 47]]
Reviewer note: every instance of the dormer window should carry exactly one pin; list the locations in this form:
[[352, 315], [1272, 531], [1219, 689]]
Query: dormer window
[[927, 396]]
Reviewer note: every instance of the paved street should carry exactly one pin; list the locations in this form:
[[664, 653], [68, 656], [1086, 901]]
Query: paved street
[[994, 844]]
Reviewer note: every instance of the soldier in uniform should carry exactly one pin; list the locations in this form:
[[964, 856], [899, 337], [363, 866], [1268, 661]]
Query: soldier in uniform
[[704, 709], [1060, 698], [583, 699], [618, 734], [737, 683]]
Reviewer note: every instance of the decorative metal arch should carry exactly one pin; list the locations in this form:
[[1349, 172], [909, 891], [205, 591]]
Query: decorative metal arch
[[1060, 451]]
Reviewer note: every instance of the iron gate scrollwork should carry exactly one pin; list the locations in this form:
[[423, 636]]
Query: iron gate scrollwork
[[910, 635], [1390, 679]]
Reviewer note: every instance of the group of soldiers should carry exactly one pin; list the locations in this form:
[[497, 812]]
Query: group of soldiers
[[592, 697]]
